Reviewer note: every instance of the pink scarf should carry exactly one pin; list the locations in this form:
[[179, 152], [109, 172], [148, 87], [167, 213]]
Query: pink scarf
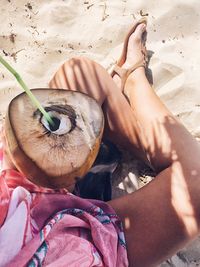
[[46, 227]]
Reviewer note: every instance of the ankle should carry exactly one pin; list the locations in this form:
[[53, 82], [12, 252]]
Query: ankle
[[137, 75], [135, 80]]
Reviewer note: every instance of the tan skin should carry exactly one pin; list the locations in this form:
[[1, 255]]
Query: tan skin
[[163, 216]]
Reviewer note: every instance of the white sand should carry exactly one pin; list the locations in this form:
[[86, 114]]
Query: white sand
[[37, 36]]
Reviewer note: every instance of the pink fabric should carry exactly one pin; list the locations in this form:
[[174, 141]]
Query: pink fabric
[[45, 227]]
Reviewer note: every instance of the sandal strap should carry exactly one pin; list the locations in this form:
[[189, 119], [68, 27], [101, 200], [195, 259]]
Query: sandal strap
[[124, 73], [120, 71]]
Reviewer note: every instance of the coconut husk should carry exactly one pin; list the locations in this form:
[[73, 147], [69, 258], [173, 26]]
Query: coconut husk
[[54, 157]]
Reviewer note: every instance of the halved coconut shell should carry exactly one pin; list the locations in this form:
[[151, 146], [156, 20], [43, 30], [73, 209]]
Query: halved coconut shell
[[54, 156]]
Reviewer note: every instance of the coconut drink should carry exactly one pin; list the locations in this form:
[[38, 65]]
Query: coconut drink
[[54, 155]]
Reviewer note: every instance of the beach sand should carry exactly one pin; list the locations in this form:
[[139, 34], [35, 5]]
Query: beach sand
[[36, 37]]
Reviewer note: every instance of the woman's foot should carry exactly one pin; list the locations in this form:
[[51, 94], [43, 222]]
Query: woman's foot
[[133, 54]]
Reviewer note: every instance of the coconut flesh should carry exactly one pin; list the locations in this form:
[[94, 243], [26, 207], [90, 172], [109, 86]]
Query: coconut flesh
[[54, 155]]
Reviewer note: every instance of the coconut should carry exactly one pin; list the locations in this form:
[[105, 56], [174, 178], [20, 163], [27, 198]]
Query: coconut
[[54, 156]]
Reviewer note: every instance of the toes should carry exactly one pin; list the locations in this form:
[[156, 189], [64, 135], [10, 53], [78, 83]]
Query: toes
[[139, 31]]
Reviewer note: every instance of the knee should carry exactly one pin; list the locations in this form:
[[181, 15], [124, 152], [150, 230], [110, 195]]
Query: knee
[[84, 64]]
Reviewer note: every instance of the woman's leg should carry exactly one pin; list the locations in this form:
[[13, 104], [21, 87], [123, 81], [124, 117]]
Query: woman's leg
[[163, 216]]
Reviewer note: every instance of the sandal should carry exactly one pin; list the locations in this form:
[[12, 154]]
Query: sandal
[[124, 73]]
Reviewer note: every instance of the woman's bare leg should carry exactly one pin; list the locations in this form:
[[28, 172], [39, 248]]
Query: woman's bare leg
[[163, 216]]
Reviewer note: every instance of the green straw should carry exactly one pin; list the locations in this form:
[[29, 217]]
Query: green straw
[[28, 91]]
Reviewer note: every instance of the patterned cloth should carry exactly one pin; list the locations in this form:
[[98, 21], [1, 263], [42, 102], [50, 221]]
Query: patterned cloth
[[46, 227]]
